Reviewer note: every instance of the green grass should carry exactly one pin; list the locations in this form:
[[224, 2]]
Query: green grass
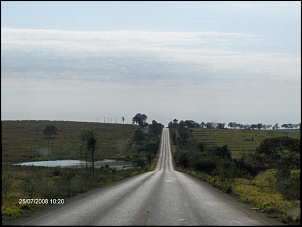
[[24, 140], [260, 192], [239, 141], [33, 182]]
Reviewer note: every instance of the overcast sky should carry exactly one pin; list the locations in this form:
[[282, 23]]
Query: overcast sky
[[201, 61]]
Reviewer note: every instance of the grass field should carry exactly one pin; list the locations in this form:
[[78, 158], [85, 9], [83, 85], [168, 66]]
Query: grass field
[[24, 140], [260, 191], [238, 141]]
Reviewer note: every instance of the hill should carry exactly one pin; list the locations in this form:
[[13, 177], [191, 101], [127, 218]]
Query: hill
[[238, 141], [24, 140]]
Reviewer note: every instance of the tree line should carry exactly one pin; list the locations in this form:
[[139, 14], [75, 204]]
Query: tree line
[[146, 143], [231, 125]]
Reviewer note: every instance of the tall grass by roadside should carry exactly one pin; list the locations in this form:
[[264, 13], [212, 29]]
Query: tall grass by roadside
[[257, 192], [30, 182]]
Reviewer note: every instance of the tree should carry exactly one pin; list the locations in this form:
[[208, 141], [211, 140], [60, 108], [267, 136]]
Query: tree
[[183, 136], [138, 136], [182, 158], [281, 152], [253, 126], [50, 131], [220, 125], [155, 128], [232, 124], [223, 152], [210, 125], [140, 119], [91, 141], [275, 127], [151, 150], [191, 124], [87, 135], [174, 136], [181, 125]]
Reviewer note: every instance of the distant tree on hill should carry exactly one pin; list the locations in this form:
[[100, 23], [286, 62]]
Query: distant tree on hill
[[155, 128], [232, 124], [220, 125], [173, 124], [181, 124], [192, 124], [50, 131], [253, 126], [210, 125], [140, 119]]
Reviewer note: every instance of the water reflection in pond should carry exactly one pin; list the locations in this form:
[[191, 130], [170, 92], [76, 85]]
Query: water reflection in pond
[[113, 163]]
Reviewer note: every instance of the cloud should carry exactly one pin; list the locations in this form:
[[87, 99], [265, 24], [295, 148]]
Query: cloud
[[111, 71], [140, 57], [100, 41]]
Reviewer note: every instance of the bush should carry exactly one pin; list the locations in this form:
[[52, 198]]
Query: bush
[[288, 183], [284, 149], [207, 164]]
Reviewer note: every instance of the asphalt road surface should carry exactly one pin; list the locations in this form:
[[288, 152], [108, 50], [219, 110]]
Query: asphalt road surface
[[161, 197]]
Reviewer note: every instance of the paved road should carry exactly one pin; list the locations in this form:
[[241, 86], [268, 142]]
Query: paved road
[[161, 197]]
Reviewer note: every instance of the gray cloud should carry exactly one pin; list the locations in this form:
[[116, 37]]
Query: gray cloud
[[141, 71], [137, 56]]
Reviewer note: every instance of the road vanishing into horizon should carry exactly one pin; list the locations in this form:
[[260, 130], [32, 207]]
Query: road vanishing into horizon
[[160, 197]]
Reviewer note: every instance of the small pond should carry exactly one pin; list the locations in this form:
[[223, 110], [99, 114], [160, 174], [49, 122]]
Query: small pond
[[112, 163]]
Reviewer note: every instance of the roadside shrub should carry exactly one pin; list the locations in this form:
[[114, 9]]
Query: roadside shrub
[[207, 164], [288, 183], [266, 180], [266, 201]]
